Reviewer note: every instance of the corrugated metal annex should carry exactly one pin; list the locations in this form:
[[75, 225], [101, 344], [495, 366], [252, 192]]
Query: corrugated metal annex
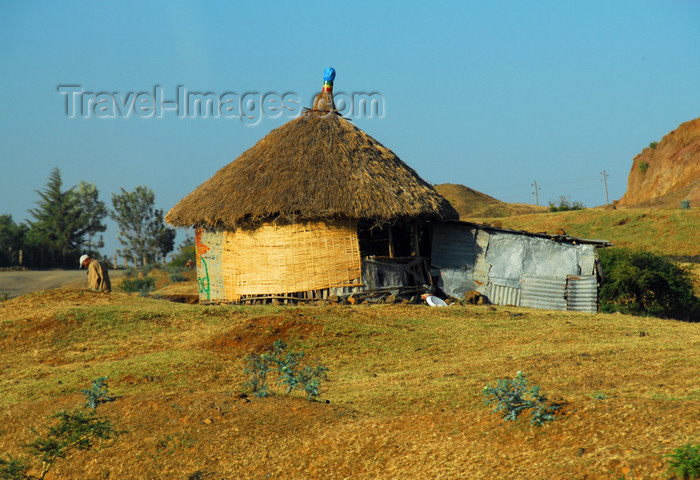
[[516, 268]]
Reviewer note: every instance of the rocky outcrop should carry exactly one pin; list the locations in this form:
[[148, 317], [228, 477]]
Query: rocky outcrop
[[666, 173]]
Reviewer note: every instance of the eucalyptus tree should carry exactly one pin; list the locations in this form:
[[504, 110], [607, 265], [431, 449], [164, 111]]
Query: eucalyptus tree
[[142, 231]]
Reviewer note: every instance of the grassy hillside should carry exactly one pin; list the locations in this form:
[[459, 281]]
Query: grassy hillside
[[667, 232], [404, 388], [469, 203]]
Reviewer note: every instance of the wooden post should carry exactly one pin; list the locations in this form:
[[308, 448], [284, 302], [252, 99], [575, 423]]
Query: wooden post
[[115, 261], [416, 240], [391, 243], [20, 258]]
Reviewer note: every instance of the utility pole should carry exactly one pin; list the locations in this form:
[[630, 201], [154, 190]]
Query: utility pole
[[605, 182], [537, 200]]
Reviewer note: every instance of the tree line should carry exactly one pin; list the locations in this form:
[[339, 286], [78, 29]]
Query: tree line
[[67, 222]]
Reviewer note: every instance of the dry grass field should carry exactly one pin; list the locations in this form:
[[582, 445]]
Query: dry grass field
[[403, 398]]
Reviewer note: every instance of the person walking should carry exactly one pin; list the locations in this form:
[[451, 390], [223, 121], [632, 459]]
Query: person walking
[[98, 276]]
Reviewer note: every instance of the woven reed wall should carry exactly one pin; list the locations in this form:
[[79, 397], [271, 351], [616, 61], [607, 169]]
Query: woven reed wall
[[210, 271], [304, 256]]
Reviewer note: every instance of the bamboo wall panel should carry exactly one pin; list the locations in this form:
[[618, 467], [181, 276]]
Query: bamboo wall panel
[[275, 259], [210, 271]]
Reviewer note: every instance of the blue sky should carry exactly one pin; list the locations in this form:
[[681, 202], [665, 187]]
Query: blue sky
[[491, 95]]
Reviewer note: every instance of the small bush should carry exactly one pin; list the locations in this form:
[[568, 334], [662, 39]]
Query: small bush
[[170, 268], [187, 252], [685, 204], [13, 468], [288, 365], [684, 463], [146, 269], [257, 366], [130, 272], [74, 430], [513, 397], [643, 167], [177, 277], [310, 379], [289, 369], [98, 393], [642, 283], [565, 205], [653, 145], [141, 285]]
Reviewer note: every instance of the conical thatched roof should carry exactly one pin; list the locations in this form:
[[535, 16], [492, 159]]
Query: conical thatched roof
[[317, 166]]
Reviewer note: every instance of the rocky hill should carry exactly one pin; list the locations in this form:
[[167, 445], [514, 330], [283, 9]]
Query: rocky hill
[[666, 173]]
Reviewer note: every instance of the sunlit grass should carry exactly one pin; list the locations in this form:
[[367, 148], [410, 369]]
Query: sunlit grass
[[667, 231]]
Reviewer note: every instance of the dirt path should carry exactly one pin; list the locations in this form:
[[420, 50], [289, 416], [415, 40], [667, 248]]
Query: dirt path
[[15, 283]]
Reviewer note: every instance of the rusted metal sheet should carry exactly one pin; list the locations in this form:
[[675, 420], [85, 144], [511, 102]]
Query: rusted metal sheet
[[210, 272], [503, 295], [582, 293], [544, 292], [453, 246]]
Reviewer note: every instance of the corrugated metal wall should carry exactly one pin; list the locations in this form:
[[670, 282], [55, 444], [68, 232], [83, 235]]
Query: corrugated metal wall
[[503, 295], [582, 293], [453, 246], [515, 269], [544, 292]]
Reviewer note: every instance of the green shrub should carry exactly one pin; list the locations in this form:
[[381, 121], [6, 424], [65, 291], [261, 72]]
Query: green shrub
[[288, 365], [653, 145], [146, 269], [565, 205], [310, 379], [170, 268], [130, 272], [98, 393], [74, 430], [289, 369], [513, 397], [186, 253], [13, 468], [141, 285], [642, 283], [684, 463], [257, 366], [643, 167], [177, 277], [685, 204]]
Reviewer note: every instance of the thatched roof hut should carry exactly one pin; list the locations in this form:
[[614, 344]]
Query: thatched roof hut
[[318, 169], [319, 165]]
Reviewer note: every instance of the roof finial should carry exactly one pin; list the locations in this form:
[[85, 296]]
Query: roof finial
[[324, 100], [328, 77]]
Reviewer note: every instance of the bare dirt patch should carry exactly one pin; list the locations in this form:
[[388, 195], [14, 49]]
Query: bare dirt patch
[[257, 334]]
